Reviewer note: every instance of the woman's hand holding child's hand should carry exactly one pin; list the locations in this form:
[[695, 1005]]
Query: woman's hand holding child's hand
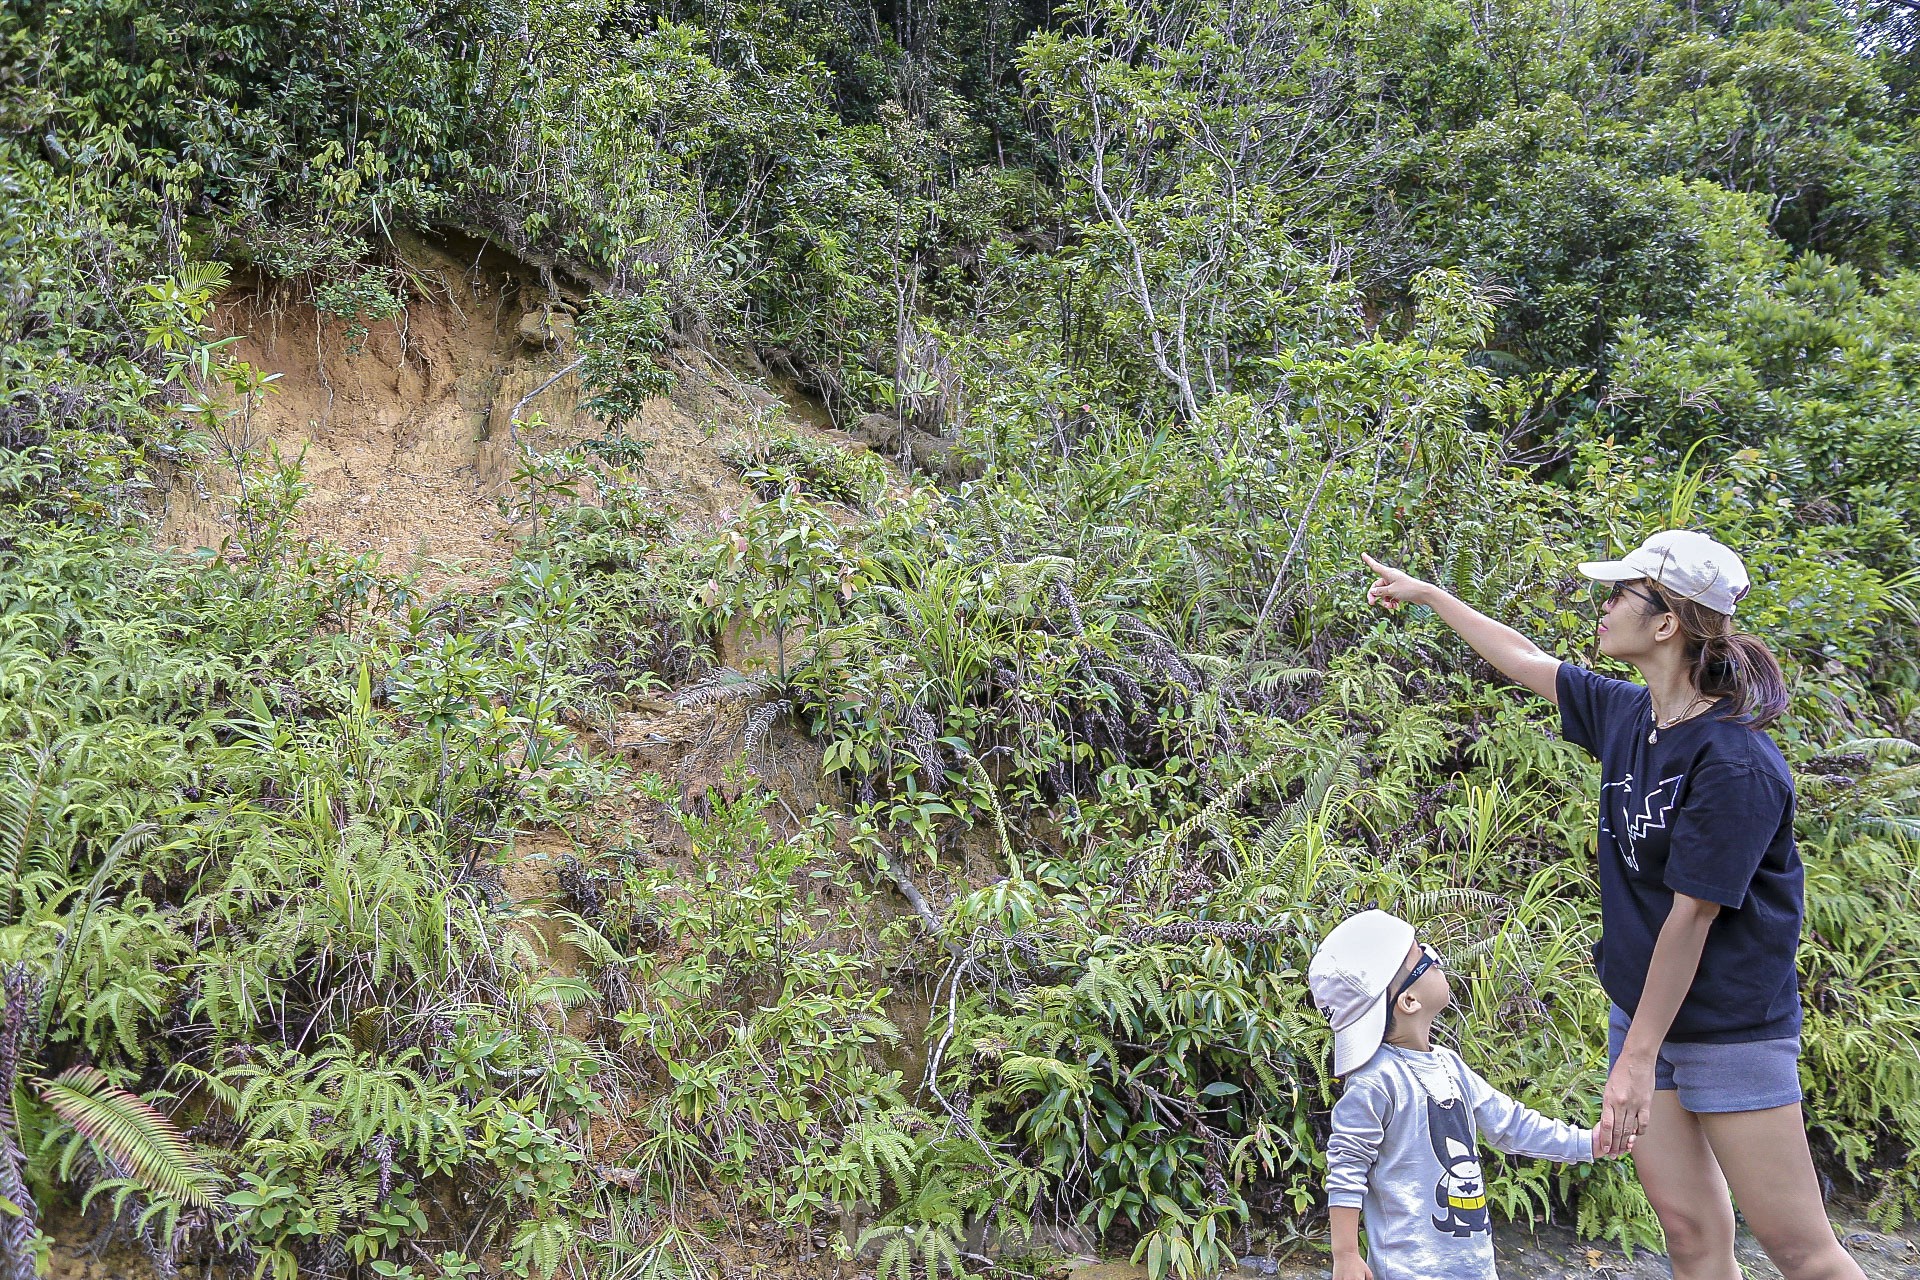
[[1626, 1107], [1600, 1151]]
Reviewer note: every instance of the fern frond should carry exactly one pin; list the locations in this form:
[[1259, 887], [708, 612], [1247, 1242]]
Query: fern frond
[[725, 685], [130, 1135], [206, 279], [19, 806], [1220, 804], [1470, 903], [583, 937], [1901, 824], [1883, 747], [1024, 577], [761, 722], [1211, 665], [883, 1151], [1268, 674], [988, 790]]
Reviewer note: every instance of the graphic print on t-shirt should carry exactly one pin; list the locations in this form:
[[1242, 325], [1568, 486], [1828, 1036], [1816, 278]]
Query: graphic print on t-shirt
[[1461, 1193], [1654, 808]]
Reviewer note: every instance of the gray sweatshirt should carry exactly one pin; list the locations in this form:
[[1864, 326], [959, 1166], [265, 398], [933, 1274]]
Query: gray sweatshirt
[[1404, 1153]]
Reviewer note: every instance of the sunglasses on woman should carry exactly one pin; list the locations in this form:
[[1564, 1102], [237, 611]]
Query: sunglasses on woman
[[1646, 594]]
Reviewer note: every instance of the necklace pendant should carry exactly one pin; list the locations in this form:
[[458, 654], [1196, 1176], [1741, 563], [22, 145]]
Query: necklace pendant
[[1653, 735]]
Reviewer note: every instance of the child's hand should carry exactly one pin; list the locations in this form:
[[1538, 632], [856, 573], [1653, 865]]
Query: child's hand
[[1351, 1266], [1599, 1148]]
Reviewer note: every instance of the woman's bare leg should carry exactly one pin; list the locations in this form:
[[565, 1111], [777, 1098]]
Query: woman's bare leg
[[1684, 1184], [1770, 1169]]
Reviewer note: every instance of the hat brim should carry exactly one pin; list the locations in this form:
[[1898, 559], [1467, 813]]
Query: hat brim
[[1611, 571], [1360, 1040]]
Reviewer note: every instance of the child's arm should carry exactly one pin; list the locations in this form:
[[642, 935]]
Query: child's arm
[[1520, 1130], [1347, 1262], [1359, 1125]]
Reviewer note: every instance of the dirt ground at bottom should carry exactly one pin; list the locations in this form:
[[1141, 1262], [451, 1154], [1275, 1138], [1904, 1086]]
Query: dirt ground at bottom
[[1545, 1253], [1554, 1252]]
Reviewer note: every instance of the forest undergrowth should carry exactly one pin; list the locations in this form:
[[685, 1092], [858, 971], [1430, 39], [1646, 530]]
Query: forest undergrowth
[[1192, 303]]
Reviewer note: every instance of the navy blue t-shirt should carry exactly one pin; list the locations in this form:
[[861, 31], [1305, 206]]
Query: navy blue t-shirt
[[1706, 811]]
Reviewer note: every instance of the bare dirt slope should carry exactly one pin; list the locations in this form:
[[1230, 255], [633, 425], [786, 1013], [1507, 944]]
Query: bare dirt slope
[[409, 434]]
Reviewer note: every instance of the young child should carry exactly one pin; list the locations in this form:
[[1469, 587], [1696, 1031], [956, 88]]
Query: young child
[[1404, 1146]]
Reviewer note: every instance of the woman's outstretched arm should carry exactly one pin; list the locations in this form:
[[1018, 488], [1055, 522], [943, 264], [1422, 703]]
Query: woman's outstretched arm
[[1517, 657]]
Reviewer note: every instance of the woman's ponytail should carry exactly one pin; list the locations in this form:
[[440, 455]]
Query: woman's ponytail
[[1732, 665]]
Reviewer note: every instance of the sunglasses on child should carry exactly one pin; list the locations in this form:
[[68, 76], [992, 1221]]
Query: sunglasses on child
[[1429, 959]]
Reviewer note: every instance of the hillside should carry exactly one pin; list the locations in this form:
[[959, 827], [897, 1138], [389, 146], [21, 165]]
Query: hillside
[[684, 641]]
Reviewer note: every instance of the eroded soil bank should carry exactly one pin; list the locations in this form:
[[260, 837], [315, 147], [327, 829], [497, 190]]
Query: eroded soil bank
[[410, 433]]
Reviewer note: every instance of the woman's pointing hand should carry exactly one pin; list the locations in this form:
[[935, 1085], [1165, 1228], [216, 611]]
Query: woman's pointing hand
[[1392, 588], [1518, 658]]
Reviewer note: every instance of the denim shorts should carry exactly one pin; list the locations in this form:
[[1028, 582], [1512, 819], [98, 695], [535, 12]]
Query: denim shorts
[[1752, 1076]]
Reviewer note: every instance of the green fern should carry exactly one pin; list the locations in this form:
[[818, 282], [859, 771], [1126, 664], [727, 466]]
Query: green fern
[[125, 1133]]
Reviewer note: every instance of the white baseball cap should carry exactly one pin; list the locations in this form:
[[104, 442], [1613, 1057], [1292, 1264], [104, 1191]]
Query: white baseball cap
[[1350, 974], [1687, 564]]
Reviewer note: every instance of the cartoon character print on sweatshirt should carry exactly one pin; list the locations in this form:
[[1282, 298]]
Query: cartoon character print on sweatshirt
[[1461, 1194]]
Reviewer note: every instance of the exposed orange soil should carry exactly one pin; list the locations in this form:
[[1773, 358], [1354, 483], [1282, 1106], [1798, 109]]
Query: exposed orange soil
[[410, 436]]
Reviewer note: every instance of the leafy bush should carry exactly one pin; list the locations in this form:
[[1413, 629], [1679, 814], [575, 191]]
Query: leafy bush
[[788, 458]]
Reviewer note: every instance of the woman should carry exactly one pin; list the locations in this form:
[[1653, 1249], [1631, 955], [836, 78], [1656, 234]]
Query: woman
[[1701, 898]]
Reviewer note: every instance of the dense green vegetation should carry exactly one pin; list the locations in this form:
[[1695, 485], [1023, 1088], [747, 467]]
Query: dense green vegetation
[[1214, 294]]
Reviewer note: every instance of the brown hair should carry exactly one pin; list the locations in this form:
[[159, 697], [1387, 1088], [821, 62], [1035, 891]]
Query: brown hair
[[1726, 663]]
